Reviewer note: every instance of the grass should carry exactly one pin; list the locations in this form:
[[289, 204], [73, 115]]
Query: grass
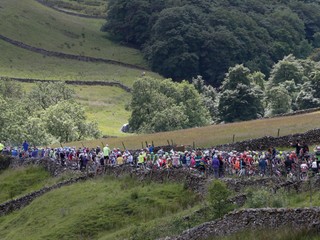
[[219, 134], [18, 182], [88, 7], [20, 63], [32, 23], [96, 209]]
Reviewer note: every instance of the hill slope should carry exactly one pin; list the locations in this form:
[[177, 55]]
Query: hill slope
[[38, 26], [99, 208]]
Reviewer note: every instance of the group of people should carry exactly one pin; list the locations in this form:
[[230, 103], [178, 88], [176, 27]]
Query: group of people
[[208, 161]]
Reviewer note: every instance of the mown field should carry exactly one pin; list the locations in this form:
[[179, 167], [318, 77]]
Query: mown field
[[218, 134]]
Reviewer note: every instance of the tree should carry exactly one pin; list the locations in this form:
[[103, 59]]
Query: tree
[[309, 96], [240, 99], [286, 70], [46, 94], [165, 105], [10, 89], [279, 101], [129, 20], [67, 122], [218, 195], [209, 96]]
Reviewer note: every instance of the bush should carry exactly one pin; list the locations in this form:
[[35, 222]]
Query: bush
[[218, 195]]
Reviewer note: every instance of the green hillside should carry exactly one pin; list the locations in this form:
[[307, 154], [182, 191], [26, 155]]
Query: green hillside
[[18, 182], [99, 209], [39, 26], [34, 24], [17, 62]]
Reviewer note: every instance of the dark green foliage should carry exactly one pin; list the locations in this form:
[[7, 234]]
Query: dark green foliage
[[183, 39], [240, 99], [165, 106]]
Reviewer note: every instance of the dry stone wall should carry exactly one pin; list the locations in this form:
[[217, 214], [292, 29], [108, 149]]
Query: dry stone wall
[[68, 56], [266, 218], [310, 137], [75, 82], [50, 5]]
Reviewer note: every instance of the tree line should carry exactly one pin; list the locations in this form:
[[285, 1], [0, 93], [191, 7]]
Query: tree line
[[47, 114], [164, 105], [186, 38]]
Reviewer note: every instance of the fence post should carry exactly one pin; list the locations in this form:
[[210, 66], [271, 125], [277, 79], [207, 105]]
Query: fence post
[[233, 138], [279, 132]]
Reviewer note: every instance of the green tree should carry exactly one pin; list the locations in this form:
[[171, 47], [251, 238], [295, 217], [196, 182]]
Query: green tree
[[165, 105], [240, 99], [289, 68], [10, 89], [309, 96], [46, 94], [279, 101], [209, 96], [66, 121], [218, 195]]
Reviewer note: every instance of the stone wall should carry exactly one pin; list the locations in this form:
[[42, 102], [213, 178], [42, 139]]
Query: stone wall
[[310, 137], [266, 218], [68, 56], [75, 82], [50, 5]]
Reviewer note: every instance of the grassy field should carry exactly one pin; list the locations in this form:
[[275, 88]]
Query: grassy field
[[34, 24], [20, 63], [219, 134], [88, 7], [104, 208]]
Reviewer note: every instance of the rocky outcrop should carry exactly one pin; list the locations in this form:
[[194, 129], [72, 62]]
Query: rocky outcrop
[[68, 56], [266, 218]]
